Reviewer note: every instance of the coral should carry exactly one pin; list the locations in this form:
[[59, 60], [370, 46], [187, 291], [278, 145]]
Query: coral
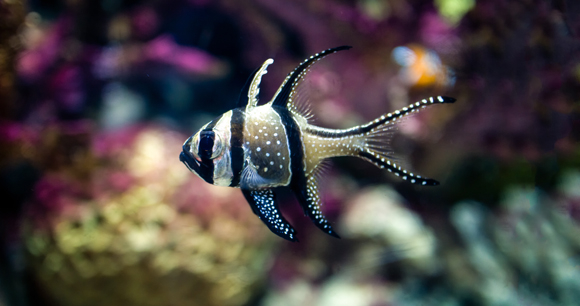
[[524, 253], [143, 231], [378, 217]]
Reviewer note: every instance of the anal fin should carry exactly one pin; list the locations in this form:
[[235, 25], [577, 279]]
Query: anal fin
[[265, 206]]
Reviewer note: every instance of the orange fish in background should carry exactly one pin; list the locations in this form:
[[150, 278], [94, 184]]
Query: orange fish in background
[[422, 67]]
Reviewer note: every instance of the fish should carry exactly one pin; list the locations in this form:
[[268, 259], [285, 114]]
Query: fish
[[260, 148], [422, 67]]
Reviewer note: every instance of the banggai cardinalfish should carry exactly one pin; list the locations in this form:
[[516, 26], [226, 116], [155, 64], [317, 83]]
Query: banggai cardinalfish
[[257, 148]]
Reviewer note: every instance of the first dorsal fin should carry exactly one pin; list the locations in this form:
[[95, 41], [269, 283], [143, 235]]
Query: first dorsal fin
[[286, 92], [249, 94], [243, 100]]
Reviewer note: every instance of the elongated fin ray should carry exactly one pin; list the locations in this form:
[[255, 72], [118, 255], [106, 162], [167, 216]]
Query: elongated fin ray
[[391, 166], [265, 206], [405, 111], [384, 122], [285, 93], [306, 191]]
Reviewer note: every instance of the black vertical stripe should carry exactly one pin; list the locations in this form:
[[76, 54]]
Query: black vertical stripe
[[295, 144], [194, 165], [299, 182], [206, 170], [206, 166], [206, 142], [236, 143]]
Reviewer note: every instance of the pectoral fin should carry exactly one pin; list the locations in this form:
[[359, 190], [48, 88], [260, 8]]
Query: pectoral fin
[[251, 179], [264, 204]]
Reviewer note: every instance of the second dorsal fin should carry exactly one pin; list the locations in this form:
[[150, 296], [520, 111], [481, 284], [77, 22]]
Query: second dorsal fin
[[286, 92]]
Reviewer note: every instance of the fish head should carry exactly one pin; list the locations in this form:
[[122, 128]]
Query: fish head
[[207, 152]]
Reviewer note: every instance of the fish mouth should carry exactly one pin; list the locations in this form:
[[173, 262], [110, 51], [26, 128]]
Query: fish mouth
[[203, 169], [187, 158]]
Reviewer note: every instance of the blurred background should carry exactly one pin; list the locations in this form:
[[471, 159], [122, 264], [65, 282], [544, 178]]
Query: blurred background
[[96, 98]]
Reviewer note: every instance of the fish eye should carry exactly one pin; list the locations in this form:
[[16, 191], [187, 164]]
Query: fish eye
[[217, 147], [210, 145]]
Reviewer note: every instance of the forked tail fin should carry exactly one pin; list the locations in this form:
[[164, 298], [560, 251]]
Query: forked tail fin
[[377, 134]]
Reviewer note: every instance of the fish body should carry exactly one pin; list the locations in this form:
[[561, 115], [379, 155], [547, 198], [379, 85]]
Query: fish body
[[257, 148]]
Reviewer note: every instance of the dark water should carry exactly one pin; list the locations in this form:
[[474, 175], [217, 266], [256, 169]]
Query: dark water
[[98, 97]]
